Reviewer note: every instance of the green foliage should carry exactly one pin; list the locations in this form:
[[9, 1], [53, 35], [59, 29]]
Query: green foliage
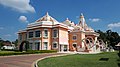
[[1, 42], [112, 38], [15, 42], [79, 60], [6, 53]]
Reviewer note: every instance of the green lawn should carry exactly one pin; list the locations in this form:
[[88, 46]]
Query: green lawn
[[77, 60]]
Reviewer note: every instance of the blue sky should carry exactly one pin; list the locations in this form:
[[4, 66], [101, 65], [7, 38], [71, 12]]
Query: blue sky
[[16, 14]]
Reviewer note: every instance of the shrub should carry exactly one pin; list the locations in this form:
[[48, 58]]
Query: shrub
[[2, 53]]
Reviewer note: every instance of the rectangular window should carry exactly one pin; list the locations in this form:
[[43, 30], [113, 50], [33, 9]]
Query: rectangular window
[[45, 33], [45, 45], [30, 34], [37, 33], [54, 45], [20, 36], [55, 33], [74, 37], [26, 36]]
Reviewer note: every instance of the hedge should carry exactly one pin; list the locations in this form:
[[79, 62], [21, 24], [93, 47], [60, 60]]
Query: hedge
[[28, 52]]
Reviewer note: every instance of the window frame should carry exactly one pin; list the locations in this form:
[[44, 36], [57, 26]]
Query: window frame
[[45, 48], [29, 34], [55, 36], [74, 36], [56, 45], [20, 37], [75, 44], [39, 33], [45, 34]]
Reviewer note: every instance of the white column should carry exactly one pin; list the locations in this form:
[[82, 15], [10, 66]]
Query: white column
[[67, 47], [95, 40], [94, 47], [62, 48], [82, 37]]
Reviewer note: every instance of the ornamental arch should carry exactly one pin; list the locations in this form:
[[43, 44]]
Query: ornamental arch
[[26, 43]]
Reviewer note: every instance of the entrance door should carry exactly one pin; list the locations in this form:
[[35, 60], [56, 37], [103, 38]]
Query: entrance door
[[65, 47]]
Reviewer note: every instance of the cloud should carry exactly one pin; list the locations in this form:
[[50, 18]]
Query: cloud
[[19, 5], [114, 25], [16, 33], [23, 19], [7, 35], [94, 19], [1, 28]]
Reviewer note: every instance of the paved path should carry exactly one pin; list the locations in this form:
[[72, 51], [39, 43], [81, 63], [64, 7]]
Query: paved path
[[23, 60]]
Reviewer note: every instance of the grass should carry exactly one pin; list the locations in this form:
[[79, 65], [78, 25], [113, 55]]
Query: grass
[[78, 60]]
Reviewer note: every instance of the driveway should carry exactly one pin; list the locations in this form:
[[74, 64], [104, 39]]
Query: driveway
[[22, 60]]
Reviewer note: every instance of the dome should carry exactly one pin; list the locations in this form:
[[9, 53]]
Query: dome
[[47, 18]]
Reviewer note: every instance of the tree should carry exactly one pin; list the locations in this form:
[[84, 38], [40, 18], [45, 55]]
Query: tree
[[102, 35], [112, 38], [15, 42], [1, 42]]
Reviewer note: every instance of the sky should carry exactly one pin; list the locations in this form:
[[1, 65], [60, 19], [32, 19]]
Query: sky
[[15, 15]]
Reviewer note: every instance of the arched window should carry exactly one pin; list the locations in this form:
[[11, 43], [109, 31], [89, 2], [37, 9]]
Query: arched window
[[74, 45]]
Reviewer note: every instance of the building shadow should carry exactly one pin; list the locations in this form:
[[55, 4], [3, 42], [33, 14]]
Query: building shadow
[[118, 64], [103, 59]]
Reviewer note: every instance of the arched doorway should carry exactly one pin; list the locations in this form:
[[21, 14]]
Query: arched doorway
[[22, 44]]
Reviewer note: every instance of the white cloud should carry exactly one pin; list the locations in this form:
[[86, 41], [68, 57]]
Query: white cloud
[[7, 35], [19, 5], [23, 19], [114, 25], [16, 33], [1, 28], [94, 19]]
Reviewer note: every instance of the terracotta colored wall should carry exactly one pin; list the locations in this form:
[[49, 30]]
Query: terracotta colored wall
[[78, 41]]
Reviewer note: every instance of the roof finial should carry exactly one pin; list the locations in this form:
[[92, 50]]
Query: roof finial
[[47, 14], [81, 14], [67, 18]]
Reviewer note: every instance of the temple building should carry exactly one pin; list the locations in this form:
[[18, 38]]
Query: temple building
[[47, 33]]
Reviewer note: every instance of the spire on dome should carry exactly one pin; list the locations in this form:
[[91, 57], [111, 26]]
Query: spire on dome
[[82, 21], [47, 14], [67, 19], [81, 16]]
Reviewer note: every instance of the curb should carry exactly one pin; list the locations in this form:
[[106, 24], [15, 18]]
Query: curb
[[34, 64]]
